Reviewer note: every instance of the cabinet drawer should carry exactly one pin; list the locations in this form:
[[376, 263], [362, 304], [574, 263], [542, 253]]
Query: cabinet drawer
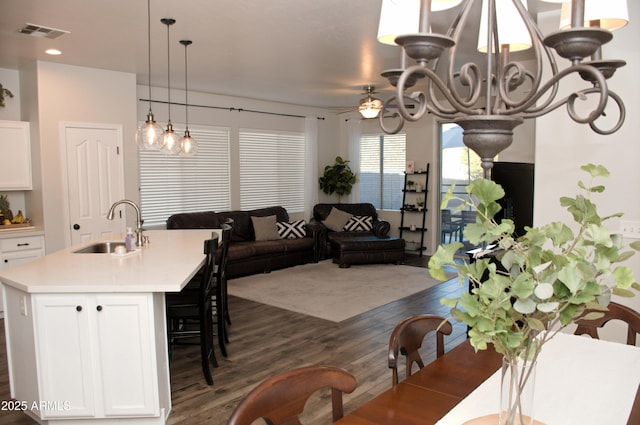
[[21, 244]]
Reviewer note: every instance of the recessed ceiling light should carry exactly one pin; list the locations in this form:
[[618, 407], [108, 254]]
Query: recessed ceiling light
[[53, 52]]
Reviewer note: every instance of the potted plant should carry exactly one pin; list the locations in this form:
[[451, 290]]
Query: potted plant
[[410, 184], [533, 286], [337, 178], [4, 92], [420, 204]]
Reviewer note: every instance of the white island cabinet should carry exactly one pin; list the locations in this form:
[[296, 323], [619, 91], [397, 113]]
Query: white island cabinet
[[86, 333]]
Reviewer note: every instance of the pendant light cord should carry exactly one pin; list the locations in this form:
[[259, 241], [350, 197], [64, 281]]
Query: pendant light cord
[[168, 72], [149, 47], [186, 88], [168, 22]]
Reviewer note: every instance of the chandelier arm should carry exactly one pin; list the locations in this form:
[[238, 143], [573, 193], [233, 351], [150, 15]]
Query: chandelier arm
[[538, 48], [515, 75], [435, 107], [621, 117], [421, 97], [382, 113], [465, 74], [552, 84]]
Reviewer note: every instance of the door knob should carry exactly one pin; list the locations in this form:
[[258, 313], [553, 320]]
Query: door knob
[[76, 226]]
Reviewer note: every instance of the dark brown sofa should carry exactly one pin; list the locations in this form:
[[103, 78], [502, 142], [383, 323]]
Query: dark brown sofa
[[348, 247], [246, 255]]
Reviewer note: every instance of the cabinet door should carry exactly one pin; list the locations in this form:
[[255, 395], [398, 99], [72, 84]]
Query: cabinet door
[[15, 161], [125, 340], [14, 251], [64, 355]]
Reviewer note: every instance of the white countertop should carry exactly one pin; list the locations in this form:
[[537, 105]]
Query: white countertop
[[169, 261], [17, 232]]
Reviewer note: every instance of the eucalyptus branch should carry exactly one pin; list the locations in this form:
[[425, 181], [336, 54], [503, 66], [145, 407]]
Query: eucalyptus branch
[[534, 291]]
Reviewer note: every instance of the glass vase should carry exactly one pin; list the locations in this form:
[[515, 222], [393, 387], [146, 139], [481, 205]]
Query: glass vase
[[517, 391]]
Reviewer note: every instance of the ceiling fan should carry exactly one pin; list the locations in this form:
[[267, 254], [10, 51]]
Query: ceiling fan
[[369, 106]]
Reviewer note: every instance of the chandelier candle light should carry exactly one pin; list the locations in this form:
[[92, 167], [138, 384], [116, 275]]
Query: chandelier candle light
[[489, 105]]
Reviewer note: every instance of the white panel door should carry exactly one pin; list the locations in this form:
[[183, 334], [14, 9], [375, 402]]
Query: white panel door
[[94, 179]]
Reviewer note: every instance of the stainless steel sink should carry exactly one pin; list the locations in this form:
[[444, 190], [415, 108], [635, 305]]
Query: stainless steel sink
[[100, 248]]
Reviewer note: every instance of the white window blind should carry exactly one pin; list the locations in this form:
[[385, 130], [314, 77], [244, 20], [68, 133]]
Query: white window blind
[[272, 169], [382, 164], [172, 184]]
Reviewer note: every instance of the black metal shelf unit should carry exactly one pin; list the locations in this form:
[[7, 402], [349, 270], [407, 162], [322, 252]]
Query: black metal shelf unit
[[410, 198]]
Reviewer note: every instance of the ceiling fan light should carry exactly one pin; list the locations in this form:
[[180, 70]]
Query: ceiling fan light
[[370, 107]]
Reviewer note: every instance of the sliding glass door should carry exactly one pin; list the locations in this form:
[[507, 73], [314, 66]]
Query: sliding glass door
[[459, 165]]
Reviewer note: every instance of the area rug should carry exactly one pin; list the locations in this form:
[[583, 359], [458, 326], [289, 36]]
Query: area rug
[[326, 291]]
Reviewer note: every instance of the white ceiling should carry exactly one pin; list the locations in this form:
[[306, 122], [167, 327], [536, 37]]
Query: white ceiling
[[308, 52]]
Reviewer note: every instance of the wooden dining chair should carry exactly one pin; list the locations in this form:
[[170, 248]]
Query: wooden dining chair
[[220, 301], [407, 338], [281, 398], [189, 313], [616, 312]]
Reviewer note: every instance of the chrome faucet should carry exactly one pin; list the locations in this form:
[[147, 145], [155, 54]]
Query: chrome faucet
[[139, 236]]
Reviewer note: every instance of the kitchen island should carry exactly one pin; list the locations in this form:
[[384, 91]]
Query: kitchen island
[[86, 332]]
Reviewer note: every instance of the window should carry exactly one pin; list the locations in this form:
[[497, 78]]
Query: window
[[272, 170], [174, 184], [382, 164]]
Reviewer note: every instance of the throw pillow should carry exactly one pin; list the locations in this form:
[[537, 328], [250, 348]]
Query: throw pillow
[[265, 228], [292, 230], [359, 223], [336, 219]]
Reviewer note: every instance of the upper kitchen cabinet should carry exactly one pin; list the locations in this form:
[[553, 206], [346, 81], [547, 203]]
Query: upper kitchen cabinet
[[15, 160]]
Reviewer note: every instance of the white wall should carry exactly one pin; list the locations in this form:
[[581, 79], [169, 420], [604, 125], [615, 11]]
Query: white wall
[[562, 146], [54, 93]]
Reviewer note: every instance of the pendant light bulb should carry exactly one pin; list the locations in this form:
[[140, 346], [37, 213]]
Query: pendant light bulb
[[149, 134], [171, 145], [171, 141], [188, 146]]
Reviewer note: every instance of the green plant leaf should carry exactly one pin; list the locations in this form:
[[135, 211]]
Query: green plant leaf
[[544, 279]]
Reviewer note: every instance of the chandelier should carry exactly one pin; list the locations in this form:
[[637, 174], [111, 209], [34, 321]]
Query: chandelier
[[490, 99]]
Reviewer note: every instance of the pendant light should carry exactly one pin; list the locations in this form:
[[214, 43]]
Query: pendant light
[[188, 146], [171, 141], [149, 134]]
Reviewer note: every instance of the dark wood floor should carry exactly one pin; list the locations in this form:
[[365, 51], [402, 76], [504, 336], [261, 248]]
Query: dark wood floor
[[266, 340]]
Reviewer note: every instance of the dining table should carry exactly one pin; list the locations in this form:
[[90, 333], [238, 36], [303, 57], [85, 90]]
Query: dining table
[[579, 380]]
